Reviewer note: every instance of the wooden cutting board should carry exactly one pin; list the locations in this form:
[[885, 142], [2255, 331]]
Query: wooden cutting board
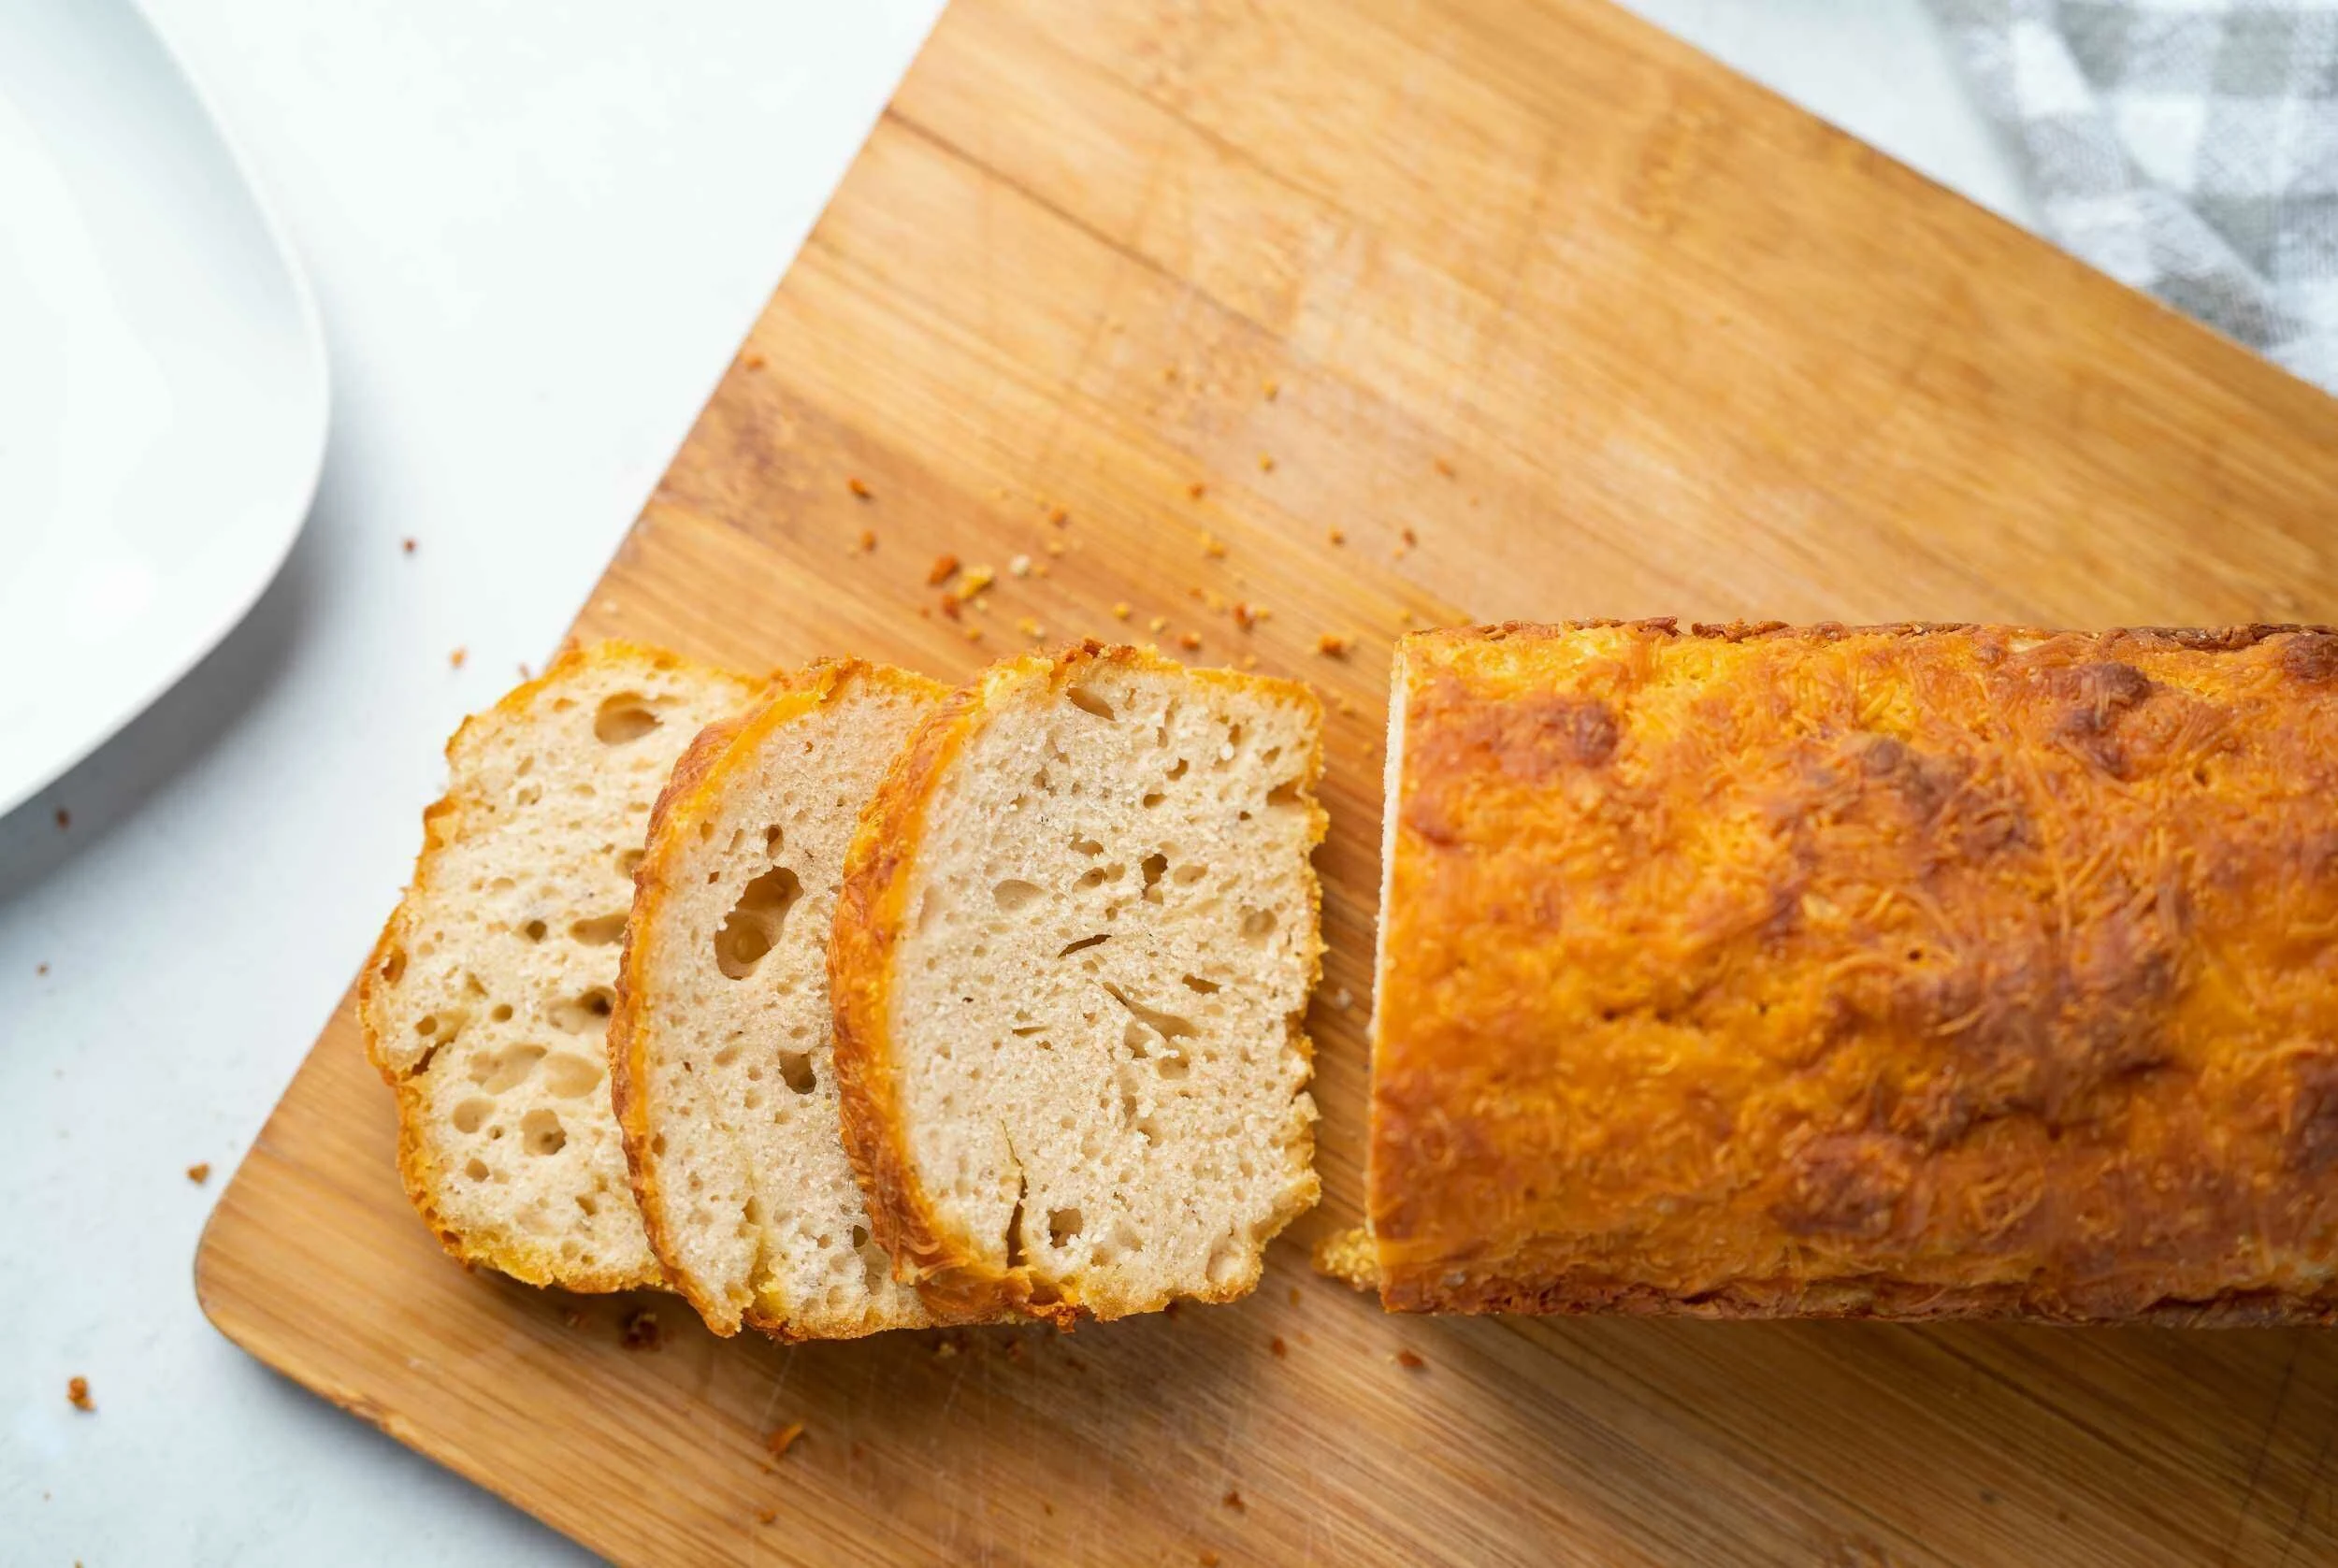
[[1371, 314]]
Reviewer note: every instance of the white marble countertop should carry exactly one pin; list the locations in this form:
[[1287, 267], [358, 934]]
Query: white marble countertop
[[537, 233]]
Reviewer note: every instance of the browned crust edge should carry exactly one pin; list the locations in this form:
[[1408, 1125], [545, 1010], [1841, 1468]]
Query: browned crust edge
[[948, 1269], [416, 1171], [1877, 1298], [699, 776]]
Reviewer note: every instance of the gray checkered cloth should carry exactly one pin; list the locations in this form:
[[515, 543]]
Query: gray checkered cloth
[[2186, 147]]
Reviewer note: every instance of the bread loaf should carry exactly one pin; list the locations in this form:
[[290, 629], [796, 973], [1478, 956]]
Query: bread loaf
[[1074, 943], [720, 1047], [1905, 972], [485, 1002]]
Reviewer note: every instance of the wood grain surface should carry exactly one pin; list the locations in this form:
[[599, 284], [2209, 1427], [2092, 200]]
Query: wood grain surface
[[1546, 316]]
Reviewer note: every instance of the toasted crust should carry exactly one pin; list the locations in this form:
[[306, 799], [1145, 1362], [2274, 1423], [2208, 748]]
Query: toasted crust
[[424, 1178], [949, 1270], [1910, 971], [699, 778]]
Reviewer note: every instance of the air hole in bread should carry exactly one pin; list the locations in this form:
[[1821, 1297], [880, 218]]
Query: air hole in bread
[[476, 1170], [500, 1072], [586, 1013], [601, 930], [1155, 866], [773, 839], [541, 1132], [428, 1025], [1196, 984], [1284, 794], [1169, 1025], [1187, 876], [1081, 945], [534, 931], [1152, 798], [752, 927], [1089, 847], [1176, 769], [570, 1076], [472, 1114], [586, 1201], [628, 862], [393, 965], [1095, 876], [796, 1067], [1063, 1225], [624, 718], [1088, 700], [1257, 924], [1013, 894], [527, 795], [502, 1014]]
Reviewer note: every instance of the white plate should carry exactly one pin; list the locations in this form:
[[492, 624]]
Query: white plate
[[161, 383]]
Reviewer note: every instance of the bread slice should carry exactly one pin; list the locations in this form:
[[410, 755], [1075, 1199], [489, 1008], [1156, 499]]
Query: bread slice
[[720, 1047], [1072, 952], [486, 1000]]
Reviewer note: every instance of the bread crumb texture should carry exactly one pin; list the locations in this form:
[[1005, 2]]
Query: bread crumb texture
[[1908, 972], [1078, 938], [486, 1000], [726, 1083]]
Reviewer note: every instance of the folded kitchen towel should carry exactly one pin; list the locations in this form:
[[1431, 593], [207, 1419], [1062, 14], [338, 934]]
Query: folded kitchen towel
[[2186, 147]]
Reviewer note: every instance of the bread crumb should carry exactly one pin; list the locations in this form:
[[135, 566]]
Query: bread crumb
[[1445, 467], [1282, 1350], [77, 1394], [1234, 1501], [1158, 624], [1270, 389], [943, 569], [572, 1319], [1247, 616], [525, 673], [1249, 661], [783, 1439], [1019, 565], [1212, 600], [1340, 701], [642, 1332], [861, 491], [1409, 1360], [1058, 515], [1333, 646], [975, 581], [1295, 1296], [766, 1515], [1336, 536], [455, 658], [40, 969], [973, 634], [1054, 547], [754, 362], [944, 1350], [1014, 1351], [1403, 617], [1343, 999], [868, 541], [1048, 1506], [1213, 547], [1039, 569], [1209, 1560], [1120, 611], [406, 544], [1265, 464], [199, 1173], [1189, 641], [1412, 541], [1031, 628], [1197, 490], [64, 819]]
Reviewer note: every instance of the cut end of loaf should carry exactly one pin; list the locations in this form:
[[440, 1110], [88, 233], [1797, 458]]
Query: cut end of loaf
[[1077, 939], [487, 999]]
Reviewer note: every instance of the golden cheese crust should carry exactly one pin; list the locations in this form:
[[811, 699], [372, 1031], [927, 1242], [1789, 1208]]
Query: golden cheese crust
[[1901, 971]]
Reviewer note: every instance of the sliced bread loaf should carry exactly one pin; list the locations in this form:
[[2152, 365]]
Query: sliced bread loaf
[[1072, 955], [489, 996], [720, 1046]]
